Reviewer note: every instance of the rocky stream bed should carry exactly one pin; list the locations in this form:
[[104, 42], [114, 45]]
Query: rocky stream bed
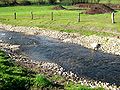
[[69, 55]]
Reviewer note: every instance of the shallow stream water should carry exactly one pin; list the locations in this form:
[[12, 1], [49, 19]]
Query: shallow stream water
[[82, 61]]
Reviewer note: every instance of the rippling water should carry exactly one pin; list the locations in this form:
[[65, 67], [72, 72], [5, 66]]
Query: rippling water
[[82, 61]]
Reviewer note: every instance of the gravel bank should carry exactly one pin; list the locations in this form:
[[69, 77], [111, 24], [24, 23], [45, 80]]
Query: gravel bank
[[51, 68], [107, 44]]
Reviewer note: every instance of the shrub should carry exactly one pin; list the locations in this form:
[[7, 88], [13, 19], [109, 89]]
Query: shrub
[[52, 1], [24, 2]]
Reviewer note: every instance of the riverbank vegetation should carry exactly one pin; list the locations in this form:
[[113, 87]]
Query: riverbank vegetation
[[16, 77], [63, 20], [65, 2]]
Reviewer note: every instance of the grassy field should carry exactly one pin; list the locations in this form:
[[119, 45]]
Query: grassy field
[[111, 1], [64, 20]]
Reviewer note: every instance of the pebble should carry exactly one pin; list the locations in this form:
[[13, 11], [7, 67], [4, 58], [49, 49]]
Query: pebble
[[108, 44]]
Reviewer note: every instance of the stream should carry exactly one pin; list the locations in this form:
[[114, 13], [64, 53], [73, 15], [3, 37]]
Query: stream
[[78, 59]]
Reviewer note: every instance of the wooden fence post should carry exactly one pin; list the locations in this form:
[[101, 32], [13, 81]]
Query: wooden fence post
[[31, 15], [52, 16], [15, 15], [79, 17], [113, 17]]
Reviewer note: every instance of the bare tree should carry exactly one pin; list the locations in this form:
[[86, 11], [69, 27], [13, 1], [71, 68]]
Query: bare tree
[[5, 1]]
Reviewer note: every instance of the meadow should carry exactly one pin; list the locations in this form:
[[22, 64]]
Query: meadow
[[63, 20], [110, 1]]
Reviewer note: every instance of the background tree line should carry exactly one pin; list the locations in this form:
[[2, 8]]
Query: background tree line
[[28, 2]]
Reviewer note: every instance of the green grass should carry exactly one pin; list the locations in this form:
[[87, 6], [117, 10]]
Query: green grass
[[111, 1], [64, 20], [42, 81], [13, 76]]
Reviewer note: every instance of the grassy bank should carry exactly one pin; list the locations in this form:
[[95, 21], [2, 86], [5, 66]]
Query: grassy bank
[[15, 77], [64, 20], [11, 76]]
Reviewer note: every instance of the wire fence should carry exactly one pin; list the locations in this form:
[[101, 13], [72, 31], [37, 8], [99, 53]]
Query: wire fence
[[52, 16]]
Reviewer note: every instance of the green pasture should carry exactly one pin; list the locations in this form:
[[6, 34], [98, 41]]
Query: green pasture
[[110, 1], [64, 20]]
